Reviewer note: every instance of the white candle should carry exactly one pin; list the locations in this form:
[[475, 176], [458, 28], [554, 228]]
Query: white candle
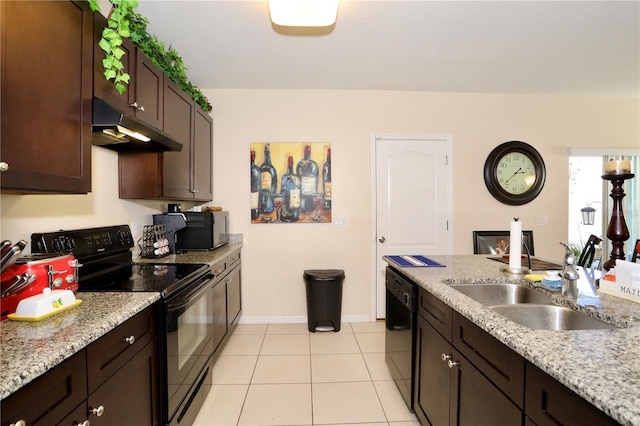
[[515, 244], [617, 167]]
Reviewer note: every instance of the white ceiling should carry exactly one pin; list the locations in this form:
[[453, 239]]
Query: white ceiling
[[519, 46]]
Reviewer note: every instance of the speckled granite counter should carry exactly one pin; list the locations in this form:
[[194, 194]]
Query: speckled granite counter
[[602, 366], [197, 256], [29, 349]]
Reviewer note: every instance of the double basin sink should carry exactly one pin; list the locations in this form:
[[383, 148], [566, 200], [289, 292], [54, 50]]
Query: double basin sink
[[529, 307]]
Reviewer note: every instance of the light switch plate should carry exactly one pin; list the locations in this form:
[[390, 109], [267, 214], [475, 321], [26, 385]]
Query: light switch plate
[[541, 220]]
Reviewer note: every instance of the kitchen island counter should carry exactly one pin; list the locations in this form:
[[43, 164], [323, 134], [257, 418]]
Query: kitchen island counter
[[30, 349], [601, 366]]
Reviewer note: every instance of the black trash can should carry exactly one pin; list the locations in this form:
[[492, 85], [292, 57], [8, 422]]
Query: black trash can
[[324, 298]]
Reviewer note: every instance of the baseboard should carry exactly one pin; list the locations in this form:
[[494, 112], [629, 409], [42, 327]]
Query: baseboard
[[296, 319]]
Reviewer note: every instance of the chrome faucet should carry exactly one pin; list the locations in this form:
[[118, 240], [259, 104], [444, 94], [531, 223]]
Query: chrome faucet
[[569, 274]]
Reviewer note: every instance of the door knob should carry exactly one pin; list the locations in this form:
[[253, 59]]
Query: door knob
[[382, 239]]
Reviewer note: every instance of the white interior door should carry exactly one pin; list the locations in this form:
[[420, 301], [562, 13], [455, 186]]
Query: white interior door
[[412, 201]]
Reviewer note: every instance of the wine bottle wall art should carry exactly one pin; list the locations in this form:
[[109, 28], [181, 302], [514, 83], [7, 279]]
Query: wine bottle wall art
[[290, 182]]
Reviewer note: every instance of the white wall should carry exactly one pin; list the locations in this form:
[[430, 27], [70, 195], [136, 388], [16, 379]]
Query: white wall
[[276, 255]]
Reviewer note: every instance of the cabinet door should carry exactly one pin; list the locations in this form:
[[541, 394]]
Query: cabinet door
[[51, 397], [103, 88], [130, 396], [548, 402], [500, 364], [202, 156], [432, 376], [149, 92], [234, 304], [178, 123], [476, 401], [219, 318], [46, 96]]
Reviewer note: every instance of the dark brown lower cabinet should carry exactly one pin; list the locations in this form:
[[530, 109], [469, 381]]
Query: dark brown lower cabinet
[[130, 396], [450, 390], [465, 376], [52, 397], [551, 403], [122, 391]]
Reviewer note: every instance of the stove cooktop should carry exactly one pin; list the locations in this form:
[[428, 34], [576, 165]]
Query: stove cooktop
[[161, 277]]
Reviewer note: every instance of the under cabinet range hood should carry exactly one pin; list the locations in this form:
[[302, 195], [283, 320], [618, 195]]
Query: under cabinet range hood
[[114, 130]]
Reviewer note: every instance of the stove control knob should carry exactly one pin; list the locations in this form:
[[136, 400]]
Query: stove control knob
[[57, 282]]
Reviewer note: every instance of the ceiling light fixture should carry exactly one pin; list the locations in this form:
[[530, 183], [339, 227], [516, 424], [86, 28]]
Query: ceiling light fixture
[[303, 13]]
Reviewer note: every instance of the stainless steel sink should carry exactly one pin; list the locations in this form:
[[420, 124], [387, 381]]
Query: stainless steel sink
[[549, 317], [502, 294]]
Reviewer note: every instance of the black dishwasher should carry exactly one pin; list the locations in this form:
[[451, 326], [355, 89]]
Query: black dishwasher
[[399, 333]]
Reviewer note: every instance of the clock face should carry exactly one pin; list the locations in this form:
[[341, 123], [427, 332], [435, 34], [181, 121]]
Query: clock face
[[514, 173]]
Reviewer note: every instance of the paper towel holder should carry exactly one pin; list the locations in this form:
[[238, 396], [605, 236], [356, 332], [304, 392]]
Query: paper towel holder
[[521, 270]]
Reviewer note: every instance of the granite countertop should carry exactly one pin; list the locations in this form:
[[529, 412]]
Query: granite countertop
[[602, 366], [196, 256], [29, 349]]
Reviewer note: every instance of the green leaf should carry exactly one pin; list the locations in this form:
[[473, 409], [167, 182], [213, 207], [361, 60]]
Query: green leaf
[[109, 74], [118, 53], [121, 88], [105, 45]]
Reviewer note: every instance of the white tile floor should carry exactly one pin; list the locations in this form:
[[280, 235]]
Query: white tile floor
[[281, 374]]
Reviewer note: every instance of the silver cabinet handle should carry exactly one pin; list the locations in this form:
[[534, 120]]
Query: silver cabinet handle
[[97, 411], [4, 166], [130, 340], [452, 364], [137, 107], [85, 423], [19, 422], [382, 239], [445, 357]]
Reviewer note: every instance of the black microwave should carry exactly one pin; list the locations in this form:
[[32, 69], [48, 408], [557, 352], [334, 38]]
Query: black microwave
[[203, 231]]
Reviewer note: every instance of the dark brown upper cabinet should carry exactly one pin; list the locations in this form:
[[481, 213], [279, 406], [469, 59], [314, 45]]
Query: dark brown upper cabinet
[[46, 73], [143, 98], [183, 175]]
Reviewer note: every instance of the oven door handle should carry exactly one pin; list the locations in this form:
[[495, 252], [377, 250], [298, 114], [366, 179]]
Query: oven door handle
[[185, 300]]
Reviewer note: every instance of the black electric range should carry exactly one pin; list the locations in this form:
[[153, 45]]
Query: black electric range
[[185, 312]]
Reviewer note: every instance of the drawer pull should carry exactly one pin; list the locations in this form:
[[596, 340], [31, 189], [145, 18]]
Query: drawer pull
[[130, 340], [445, 357], [19, 423], [99, 411], [452, 364], [85, 423]]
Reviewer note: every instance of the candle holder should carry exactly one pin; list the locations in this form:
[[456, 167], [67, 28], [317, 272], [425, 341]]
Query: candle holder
[[617, 232]]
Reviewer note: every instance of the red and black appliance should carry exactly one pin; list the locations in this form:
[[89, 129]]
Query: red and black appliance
[[187, 332]]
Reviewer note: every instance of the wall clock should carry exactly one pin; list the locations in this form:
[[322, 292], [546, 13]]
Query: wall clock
[[514, 173]]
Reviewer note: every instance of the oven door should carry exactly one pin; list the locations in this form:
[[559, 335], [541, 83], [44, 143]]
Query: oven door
[[188, 345]]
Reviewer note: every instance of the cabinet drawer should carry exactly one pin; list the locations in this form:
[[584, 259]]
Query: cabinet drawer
[[233, 283], [51, 397], [233, 260], [548, 402], [218, 270], [501, 365], [106, 355], [435, 312]]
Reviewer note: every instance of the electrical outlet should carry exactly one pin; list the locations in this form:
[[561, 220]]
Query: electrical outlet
[[541, 220], [341, 221]]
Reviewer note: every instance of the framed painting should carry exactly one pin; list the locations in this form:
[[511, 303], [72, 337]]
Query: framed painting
[[497, 242], [291, 182]]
